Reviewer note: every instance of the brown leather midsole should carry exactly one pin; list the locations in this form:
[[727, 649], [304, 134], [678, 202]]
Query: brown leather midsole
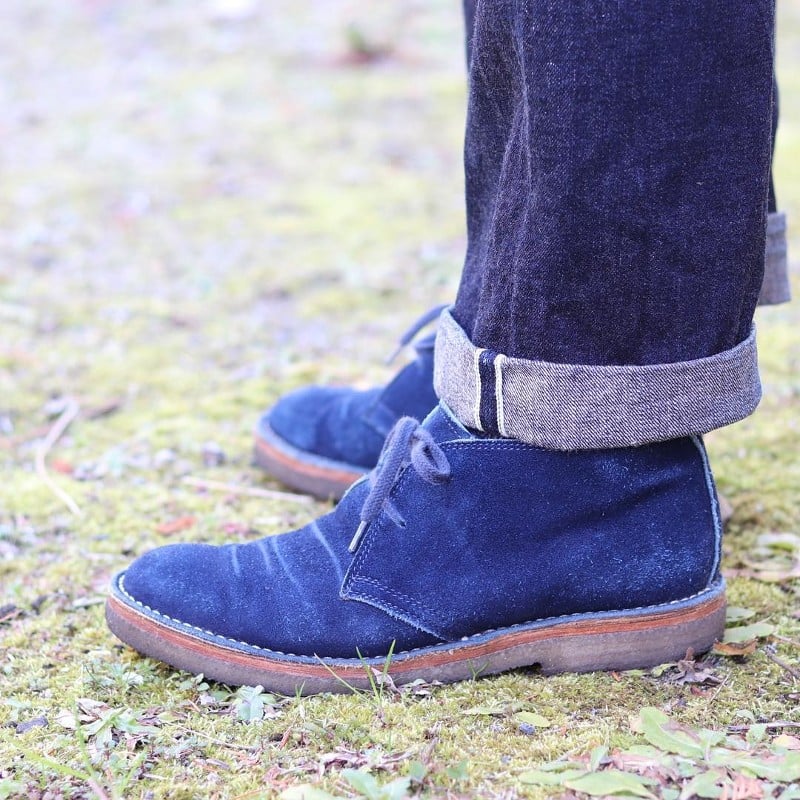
[[311, 470], [425, 658]]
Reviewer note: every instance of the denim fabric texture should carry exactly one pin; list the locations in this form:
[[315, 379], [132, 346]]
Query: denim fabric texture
[[350, 425], [640, 527], [617, 173]]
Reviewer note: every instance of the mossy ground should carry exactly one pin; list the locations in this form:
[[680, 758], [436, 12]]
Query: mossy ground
[[205, 205]]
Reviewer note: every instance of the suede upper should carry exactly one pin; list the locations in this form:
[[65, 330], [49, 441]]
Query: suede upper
[[511, 534], [280, 593], [350, 425]]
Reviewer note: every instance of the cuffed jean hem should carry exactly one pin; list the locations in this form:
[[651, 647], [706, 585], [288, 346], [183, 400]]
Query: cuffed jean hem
[[775, 288], [583, 407]]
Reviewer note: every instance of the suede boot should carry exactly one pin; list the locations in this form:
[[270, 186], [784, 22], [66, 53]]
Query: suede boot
[[458, 556], [320, 440]]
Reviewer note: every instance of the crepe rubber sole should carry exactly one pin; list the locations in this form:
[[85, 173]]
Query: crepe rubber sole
[[609, 640], [316, 475]]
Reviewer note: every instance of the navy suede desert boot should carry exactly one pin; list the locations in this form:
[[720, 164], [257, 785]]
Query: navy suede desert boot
[[458, 556], [321, 439]]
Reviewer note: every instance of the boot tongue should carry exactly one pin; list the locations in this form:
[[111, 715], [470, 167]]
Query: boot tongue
[[443, 425]]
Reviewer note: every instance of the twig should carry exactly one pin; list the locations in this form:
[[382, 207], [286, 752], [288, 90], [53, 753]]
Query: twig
[[719, 688], [247, 491], [785, 640], [768, 726], [96, 412], [782, 664], [53, 435], [9, 442]]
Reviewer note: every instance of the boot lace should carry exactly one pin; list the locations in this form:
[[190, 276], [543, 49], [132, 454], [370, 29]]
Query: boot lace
[[409, 444]]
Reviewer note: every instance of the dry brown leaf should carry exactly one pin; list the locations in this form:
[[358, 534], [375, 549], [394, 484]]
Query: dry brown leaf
[[175, 525], [734, 648], [789, 742]]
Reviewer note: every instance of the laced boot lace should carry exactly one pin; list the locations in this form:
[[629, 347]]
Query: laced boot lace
[[408, 444], [410, 334]]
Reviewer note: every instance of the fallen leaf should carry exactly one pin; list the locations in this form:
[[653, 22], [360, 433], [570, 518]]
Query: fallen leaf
[[734, 648], [30, 724], [789, 742], [738, 614], [175, 525], [667, 735], [610, 783], [689, 671], [745, 788], [66, 719], [64, 467], [745, 633]]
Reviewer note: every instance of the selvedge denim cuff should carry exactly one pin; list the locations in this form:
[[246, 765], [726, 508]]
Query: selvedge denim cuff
[[775, 287], [581, 407]]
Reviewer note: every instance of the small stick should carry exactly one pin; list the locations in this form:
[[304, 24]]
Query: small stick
[[247, 491], [782, 664], [719, 688], [768, 726], [53, 435], [785, 640], [9, 442]]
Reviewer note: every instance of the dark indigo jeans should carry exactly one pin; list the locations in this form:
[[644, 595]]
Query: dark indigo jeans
[[618, 174]]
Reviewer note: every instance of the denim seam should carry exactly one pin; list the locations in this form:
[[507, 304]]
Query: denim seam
[[498, 393], [487, 405], [583, 407], [516, 625]]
